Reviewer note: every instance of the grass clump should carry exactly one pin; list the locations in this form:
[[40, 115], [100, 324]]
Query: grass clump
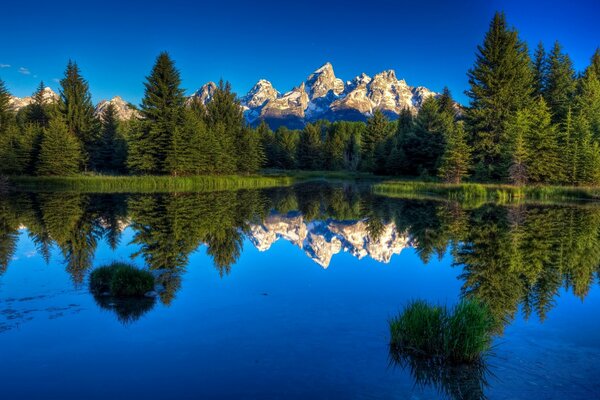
[[459, 335], [121, 280]]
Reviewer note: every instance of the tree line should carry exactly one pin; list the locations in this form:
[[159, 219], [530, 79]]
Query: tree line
[[531, 119]]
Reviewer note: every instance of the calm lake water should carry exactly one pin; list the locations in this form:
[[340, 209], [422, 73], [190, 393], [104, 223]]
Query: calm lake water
[[287, 293]]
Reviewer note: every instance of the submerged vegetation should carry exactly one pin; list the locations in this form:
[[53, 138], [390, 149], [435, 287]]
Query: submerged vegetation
[[455, 336], [121, 280]]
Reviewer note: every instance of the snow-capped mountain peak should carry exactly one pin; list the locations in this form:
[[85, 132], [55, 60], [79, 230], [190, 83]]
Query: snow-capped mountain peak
[[261, 93]]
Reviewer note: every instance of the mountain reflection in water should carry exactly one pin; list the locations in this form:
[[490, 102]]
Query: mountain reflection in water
[[517, 258], [510, 255]]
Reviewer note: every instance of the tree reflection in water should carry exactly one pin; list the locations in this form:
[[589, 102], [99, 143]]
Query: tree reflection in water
[[511, 256]]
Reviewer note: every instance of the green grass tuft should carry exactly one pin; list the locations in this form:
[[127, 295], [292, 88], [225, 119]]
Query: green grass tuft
[[459, 335], [121, 280]]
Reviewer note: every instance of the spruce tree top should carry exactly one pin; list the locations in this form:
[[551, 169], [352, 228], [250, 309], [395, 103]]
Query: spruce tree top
[[502, 58], [162, 94]]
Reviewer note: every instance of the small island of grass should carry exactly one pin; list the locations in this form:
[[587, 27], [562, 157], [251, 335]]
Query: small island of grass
[[461, 335], [121, 280]]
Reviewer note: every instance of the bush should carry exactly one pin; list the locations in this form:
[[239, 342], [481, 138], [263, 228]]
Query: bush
[[460, 335], [121, 280]]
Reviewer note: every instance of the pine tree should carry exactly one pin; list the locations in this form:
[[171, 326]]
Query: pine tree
[[516, 156], [595, 63], [5, 111], [76, 107], [446, 102], [310, 148], [162, 113], [456, 160], [110, 148], [184, 156], [426, 145], [60, 152], [560, 86], [224, 115], [9, 151], [38, 112], [139, 159], [587, 101], [501, 83], [286, 143], [544, 161], [376, 131], [540, 70], [251, 155], [588, 155], [267, 138], [396, 163], [569, 148], [352, 152]]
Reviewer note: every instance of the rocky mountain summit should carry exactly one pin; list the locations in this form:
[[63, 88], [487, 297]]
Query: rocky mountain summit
[[324, 96], [321, 240], [125, 110], [19, 102]]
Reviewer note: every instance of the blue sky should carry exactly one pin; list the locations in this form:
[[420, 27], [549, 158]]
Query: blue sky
[[428, 42]]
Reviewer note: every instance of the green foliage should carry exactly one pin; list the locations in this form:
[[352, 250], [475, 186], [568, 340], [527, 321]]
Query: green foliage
[[6, 114], [310, 147], [60, 151], [111, 148], [560, 85], [251, 154], [375, 133], [426, 144], [162, 112], [456, 160], [77, 111], [541, 140], [39, 112], [121, 280], [225, 121], [501, 83], [460, 335], [540, 70]]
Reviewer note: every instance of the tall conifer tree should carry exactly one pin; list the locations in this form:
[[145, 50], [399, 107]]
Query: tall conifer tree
[[376, 132], [162, 112], [501, 83], [560, 87], [456, 160], [60, 152], [540, 69], [77, 110]]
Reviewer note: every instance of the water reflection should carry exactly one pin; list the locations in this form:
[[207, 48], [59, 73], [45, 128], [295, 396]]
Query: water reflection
[[511, 256], [456, 382]]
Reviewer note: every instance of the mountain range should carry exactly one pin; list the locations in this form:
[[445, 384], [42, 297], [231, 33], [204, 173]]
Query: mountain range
[[321, 240], [321, 96], [324, 96]]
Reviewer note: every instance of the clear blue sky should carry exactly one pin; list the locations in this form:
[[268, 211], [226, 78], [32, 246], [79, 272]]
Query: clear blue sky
[[428, 42]]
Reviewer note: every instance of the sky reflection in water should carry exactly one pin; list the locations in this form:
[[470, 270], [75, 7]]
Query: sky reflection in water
[[288, 292]]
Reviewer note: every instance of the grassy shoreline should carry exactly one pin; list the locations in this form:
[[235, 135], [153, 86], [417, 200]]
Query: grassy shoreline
[[484, 191], [141, 184], [380, 185]]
